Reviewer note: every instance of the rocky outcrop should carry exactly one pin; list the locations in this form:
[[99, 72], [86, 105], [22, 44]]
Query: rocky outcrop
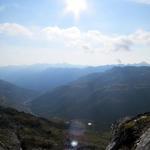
[[131, 134], [144, 142]]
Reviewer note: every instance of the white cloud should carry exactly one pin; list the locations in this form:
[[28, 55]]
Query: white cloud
[[74, 38], [13, 29], [72, 33], [140, 36]]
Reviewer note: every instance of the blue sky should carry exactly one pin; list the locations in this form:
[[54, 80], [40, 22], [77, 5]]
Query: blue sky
[[87, 32]]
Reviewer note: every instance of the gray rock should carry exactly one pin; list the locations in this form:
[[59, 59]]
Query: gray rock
[[144, 141], [131, 134]]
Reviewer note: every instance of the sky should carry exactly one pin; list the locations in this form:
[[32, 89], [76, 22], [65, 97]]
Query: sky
[[85, 32]]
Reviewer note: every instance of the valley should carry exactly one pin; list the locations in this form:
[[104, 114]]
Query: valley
[[80, 113], [107, 96], [74, 75]]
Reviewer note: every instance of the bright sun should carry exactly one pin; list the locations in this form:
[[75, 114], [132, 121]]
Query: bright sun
[[76, 7]]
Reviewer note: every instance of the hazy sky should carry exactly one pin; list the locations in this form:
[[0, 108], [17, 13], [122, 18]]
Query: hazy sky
[[87, 32]]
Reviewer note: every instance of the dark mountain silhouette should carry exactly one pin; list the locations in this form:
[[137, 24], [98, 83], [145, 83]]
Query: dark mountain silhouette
[[101, 97]]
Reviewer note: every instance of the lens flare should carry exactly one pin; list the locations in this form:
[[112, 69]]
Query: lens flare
[[74, 143]]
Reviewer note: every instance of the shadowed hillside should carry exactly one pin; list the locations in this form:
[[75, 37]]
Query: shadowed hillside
[[14, 96], [101, 97]]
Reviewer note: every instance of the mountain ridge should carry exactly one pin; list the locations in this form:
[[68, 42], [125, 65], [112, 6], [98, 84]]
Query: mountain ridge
[[30, 76], [119, 91]]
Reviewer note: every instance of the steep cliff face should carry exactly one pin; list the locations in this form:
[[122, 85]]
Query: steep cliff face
[[131, 134]]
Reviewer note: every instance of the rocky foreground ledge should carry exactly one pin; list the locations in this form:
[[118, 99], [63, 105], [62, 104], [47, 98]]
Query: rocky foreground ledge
[[22, 131], [131, 134]]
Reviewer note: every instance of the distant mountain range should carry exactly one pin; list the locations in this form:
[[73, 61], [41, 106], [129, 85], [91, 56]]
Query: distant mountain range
[[100, 97], [43, 77], [77, 93]]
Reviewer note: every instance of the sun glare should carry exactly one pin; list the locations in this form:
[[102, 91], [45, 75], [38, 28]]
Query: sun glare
[[76, 7]]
